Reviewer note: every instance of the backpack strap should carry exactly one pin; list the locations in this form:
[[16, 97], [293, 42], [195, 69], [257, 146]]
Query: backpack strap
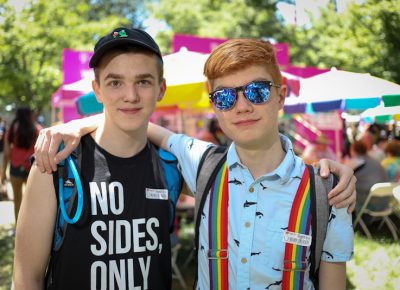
[[320, 210], [166, 171], [173, 181], [63, 174], [210, 163]]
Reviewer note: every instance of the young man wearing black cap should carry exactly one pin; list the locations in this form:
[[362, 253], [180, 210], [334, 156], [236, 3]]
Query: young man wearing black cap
[[121, 240]]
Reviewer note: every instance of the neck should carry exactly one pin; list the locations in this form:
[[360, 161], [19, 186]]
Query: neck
[[261, 160], [120, 143]]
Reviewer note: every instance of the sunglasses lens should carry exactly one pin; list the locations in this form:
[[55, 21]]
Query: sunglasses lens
[[257, 92], [224, 99]]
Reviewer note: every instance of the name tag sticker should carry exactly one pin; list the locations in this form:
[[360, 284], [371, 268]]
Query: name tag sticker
[[296, 239], [157, 193]]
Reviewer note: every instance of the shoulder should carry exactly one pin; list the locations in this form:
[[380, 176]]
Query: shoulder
[[339, 241], [188, 145]]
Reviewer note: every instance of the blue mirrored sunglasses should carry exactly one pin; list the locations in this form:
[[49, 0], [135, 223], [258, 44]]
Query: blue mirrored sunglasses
[[257, 92]]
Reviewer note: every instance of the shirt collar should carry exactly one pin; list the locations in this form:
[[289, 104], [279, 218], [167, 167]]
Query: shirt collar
[[290, 166]]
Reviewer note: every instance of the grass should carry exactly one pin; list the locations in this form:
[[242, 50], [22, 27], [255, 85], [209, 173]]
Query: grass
[[376, 263], [6, 257]]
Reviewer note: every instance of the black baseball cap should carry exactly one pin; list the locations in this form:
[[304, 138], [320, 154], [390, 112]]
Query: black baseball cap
[[123, 36]]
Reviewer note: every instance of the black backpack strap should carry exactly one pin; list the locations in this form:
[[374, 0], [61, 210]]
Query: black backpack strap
[[61, 225], [210, 163], [320, 210]]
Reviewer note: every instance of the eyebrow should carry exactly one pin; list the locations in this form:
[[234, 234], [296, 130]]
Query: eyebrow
[[120, 77], [145, 76], [113, 76]]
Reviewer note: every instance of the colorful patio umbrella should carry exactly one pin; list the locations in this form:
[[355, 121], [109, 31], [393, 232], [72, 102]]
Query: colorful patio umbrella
[[382, 114], [183, 71], [88, 104], [337, 89]]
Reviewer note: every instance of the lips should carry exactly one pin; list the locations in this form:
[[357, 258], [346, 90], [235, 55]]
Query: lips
[[130, 110], [245, 122]]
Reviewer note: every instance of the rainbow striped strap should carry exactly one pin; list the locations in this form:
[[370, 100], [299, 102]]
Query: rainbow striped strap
[[297, 237], [218, 231]]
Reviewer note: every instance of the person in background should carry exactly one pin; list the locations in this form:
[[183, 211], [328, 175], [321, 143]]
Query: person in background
[[18, 149], [391, 162], [211, 132], [375, 140], [368, 171], [317, 150], [3, 188]]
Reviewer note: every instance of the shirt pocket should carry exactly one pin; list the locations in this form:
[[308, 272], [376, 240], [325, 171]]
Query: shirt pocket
[[274, 246]]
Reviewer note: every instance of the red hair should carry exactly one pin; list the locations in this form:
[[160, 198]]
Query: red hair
[[237, 54], [393, 148], [360, 148]]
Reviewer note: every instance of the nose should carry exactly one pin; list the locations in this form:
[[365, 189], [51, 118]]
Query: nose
[[132, 95], [242, 104]]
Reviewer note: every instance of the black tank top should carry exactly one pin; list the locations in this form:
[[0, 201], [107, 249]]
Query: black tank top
[[122, 239]]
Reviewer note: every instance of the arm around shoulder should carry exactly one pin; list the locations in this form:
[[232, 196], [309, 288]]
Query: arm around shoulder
[[159, 135], [34, 231], [332, 276]]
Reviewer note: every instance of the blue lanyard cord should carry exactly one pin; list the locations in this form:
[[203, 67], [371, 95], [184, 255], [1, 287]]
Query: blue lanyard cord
[[71, 164]]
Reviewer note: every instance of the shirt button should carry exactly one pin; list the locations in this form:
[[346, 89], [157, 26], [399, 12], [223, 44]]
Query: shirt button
[[251, 189], [243, 260], [247, 224]]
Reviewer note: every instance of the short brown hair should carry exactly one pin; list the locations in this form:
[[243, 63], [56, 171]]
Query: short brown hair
[[359, 147], [237, 54], [130, 49], [393, 148]]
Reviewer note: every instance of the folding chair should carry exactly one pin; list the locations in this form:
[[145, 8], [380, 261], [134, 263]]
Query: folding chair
[[379, 190], [396, 207], [175, 246]]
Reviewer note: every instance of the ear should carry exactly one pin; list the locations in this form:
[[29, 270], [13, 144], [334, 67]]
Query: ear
[[208, 86], [209, 89], [282, 95], [96, 90], [163, 89]]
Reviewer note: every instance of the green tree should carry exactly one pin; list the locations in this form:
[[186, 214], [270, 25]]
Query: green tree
[[31, 43], [134, 11], [218, 18], [365, 38]]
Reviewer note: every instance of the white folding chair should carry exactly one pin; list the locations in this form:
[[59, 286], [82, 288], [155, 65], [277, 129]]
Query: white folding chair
[[176, 272], [379, 190], [396, 207]]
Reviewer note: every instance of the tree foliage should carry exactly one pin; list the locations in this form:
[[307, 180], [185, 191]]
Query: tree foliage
[[218, 18], [134, 11], [365, 38], [31, 43]]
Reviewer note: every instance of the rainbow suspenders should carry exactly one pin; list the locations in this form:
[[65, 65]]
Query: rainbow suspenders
[[295, 260], [297, 236], [218, 231]]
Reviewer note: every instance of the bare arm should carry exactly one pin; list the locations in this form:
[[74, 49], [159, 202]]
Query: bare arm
[[332, 276], [344, 194], [34, 231], [49, 140], [158, 135], [6, 159]]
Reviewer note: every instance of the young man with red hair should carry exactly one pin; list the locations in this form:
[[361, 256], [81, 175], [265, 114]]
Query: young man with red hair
[[263, 177]]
